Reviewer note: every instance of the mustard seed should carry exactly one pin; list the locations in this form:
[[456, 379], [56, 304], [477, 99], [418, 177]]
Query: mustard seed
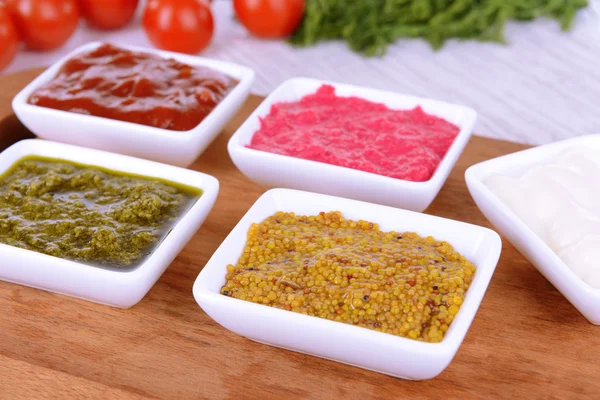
[[352, 272]]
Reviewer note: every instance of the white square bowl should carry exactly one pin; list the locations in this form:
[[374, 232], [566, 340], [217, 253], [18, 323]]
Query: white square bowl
[[361, 347], [275, 170], [101, 285], [179, 148], [584, 297]]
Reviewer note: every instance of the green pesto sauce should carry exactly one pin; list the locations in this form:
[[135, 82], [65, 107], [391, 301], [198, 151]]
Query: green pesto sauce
[[88, 214]]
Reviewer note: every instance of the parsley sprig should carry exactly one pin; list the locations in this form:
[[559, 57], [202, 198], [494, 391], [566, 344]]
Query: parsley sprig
[[369, 26]]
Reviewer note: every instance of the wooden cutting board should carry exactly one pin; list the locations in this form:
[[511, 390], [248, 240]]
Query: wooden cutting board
[[526, 340]]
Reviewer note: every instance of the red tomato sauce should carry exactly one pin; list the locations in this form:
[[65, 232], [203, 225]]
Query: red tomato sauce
[[135, 87], [356, 133]]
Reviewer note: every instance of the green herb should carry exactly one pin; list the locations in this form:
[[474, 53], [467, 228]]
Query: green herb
[[369, 26]]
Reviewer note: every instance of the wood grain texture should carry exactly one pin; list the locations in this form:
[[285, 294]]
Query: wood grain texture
[[539, 88], [526, 340]]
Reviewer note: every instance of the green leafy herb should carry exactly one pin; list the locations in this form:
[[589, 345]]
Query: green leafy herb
[[369, 26]]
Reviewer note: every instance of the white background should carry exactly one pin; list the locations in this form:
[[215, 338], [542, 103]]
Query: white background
[[542, 87]]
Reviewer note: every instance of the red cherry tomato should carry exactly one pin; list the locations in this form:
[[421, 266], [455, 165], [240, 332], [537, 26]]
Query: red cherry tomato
[[270, 18], [185, 26], [44, 24], [108, 14], [9, 39]]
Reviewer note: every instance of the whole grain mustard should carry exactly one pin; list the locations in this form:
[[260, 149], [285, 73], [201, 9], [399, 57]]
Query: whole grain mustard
[[352, 272]]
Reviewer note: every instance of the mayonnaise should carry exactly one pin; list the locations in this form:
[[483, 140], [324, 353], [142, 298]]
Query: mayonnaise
[[560, 201]]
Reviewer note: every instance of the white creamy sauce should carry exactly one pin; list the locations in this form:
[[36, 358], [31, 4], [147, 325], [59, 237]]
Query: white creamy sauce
[[560, 201]]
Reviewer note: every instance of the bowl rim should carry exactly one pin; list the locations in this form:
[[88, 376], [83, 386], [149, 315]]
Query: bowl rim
[[243, 74], [477, 173], [458, 329], [235, 146], [207, 183]]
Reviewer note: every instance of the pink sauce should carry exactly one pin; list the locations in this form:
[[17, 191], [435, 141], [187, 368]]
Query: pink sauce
[[356, 133]]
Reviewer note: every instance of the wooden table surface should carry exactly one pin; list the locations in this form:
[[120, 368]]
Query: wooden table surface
[[526, 340]]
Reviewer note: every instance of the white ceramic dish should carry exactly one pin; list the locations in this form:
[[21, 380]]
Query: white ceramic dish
[[337, 341], [171, 147], [274, 170], [112, 287], [584, 297]]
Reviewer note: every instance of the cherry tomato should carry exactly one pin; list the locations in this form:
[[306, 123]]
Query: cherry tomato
[[108, 14], [9, 39], [185, 26], [44, 24], [270, 18]]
